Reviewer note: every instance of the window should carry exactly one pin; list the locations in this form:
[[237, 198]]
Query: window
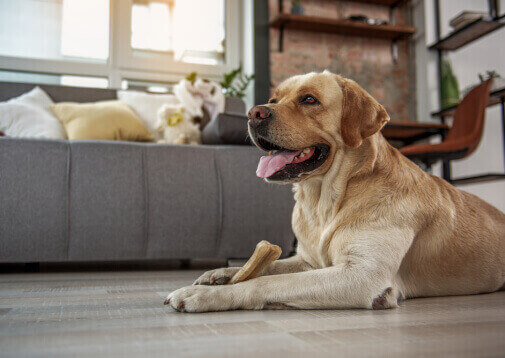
[[153, 87], [152, 25], [81, 37], [151, 41], [65, 80], [84, 81], [55, 29], [169, 26]]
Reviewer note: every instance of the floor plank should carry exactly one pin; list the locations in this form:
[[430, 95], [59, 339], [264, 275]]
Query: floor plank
[[109, 314]]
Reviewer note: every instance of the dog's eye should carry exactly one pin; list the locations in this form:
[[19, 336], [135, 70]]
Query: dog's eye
[[272, 100], [309, 100]]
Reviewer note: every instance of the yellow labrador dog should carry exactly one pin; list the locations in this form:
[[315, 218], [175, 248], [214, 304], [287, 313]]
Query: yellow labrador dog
[[371, 226]]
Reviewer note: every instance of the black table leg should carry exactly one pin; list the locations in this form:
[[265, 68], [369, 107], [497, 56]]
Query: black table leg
[[446, 170], [502, 102], [446, 164]]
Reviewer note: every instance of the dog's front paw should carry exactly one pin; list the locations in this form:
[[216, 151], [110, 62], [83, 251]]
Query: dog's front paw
[[219, 276], [201, 299]]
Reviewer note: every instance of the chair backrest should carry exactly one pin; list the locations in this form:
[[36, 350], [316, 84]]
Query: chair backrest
[[468, 120]]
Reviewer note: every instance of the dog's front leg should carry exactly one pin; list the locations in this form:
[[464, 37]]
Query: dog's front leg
[[327, 288], [331, 287], [289, 265], [363, 277], [221, 276]]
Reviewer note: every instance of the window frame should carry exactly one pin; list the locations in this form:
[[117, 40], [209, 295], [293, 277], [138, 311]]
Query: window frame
[[124, 64]]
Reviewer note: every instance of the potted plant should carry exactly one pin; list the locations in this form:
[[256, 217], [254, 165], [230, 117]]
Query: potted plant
[[296, 7], [498, 81], [235, 83], [449, 86], [488, 75]]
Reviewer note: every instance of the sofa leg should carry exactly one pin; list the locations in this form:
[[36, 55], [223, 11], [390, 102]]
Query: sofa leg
[[185, 264], [32, 267]]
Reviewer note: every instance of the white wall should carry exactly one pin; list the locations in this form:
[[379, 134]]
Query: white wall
[[248, 47], [487, 53]]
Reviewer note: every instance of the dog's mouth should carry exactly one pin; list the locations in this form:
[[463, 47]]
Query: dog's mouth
[[285, 164]]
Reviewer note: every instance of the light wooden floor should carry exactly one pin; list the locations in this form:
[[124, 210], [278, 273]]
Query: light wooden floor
[[121, 314]]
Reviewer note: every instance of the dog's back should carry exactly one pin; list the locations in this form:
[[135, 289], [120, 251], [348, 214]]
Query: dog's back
[[460, 247]]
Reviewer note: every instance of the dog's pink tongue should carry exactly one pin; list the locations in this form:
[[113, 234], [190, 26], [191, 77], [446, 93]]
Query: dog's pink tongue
[[270, 164]]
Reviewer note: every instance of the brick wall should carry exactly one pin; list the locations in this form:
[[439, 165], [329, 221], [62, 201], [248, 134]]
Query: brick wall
[[367, 61]]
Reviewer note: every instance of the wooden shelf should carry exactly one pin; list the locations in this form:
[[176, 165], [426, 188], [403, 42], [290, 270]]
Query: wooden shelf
[[468, 33], [495, 97], [391, 3], [342, 27]]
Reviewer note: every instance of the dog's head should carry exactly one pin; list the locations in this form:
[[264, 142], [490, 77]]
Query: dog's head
[[307, 120]]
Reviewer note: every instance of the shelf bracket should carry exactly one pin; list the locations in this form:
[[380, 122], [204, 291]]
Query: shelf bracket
[[493, 9], [394, 51], [392, 18], [502, 104], [280, 4], [281, 38], [392, 21]]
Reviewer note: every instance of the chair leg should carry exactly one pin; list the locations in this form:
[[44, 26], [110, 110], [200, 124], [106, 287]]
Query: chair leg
[[428, 168], [446, 170]]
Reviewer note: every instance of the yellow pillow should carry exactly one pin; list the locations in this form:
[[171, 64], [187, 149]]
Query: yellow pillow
[[106, 120]]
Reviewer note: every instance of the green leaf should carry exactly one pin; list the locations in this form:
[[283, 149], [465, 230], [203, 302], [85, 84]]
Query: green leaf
[[191, 77], [235, 82]]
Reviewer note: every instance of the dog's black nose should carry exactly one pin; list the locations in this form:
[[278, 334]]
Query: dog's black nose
[[258, 114]]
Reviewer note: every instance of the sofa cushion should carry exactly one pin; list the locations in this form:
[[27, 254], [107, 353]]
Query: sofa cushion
[[184, 203], [33, 200], [106, 120], [253, 210], [107, 201]]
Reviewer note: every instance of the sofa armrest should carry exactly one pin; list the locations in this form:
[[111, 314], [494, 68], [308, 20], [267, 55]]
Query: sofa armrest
[[234, 105], [227, 128]]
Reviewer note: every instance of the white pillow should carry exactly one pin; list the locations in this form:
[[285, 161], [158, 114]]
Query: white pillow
[[36, 97], [30, 116], [146, 106]]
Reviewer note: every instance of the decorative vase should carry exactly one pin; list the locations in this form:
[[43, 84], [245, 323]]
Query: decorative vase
[[449, 86], [297, 9]]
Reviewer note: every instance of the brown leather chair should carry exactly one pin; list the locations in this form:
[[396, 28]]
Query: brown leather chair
[[464, 135]]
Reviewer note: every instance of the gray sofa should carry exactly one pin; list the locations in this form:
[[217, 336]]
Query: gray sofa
[[103, 201]]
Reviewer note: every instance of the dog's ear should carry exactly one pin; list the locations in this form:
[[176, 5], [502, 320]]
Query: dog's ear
[[362, 115]]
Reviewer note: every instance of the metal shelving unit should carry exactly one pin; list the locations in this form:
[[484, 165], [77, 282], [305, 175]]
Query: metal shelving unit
[[454, 41]]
